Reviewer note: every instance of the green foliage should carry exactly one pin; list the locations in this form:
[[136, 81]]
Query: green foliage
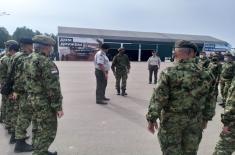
[[21, 32], [4, 36]]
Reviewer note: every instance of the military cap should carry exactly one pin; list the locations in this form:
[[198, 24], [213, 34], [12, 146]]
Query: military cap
[[228, 54], [121, 49], [10, 43], [44, 40], [186, 44], [26, 41], [215, 55]]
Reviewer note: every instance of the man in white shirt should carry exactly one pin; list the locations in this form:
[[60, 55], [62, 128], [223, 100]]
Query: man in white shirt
[[153, 66], [102, 66]]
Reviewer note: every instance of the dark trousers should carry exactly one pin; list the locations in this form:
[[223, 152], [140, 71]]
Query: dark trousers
[[153, 69], [101, 84]]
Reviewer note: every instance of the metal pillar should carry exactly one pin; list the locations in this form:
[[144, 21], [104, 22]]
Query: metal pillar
[[139, 54]]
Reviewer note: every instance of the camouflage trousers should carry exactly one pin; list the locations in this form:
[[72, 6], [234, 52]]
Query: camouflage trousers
[[44, 121], [24, 117], [3, 108], [224, 87], [226, 144], [180, 135], [12, 109], [120, 75]]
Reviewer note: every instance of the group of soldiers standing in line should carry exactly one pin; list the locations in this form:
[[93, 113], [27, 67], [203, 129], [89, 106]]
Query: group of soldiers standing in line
[[185, 97], [31, 93]]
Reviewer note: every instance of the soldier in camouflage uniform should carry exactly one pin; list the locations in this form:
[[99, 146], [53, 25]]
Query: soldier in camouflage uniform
[[11, 47], [226, 144], [121, 67], [3, 75], [44, 94], [203, 60], [182, 102], [20, 96], [11, 106], [215, 68], [227, 74]]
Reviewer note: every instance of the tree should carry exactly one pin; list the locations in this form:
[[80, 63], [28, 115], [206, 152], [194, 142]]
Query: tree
[[22, 32], [4, 36]]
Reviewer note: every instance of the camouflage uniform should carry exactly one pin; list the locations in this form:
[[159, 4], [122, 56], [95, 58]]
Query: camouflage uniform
[[45, 98], [3, 74], [121, 67], [215, 68], [179, 101], [226, 144], [227, 74], [204, 62], [24, 114]]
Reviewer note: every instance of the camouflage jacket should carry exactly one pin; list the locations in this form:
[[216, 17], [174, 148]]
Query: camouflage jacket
[[4, 65], [121, 63], [204, 62], [42, 78], [228, 71], [215, 68], [183, 89], [19, 76], [228, 117]]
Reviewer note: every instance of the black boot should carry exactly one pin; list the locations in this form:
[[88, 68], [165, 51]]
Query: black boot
[[51, 153], [124, 92], [118, 91], [22, 146], [12, 139]]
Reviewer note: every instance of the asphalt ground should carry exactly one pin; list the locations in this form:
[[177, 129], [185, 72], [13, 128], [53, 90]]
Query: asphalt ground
[[118, 128]]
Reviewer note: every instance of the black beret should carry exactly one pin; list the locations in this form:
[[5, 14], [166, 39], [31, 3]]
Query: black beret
[[186, 44], [26, 41]]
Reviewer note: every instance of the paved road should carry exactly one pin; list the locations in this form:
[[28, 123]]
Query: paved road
[[118, 128]]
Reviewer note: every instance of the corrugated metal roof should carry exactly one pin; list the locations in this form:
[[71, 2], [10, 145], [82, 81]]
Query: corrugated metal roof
[[135, 36]]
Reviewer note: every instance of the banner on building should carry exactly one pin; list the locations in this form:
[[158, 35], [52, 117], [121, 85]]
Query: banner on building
[[77, 48], [213, 47]]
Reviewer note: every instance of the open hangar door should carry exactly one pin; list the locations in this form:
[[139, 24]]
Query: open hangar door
[[113, 50], [132, 51], [146, 51], [165, 50]]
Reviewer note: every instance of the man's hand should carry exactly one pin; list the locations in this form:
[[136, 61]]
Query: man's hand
[[152, 127], [60, 114], [204, 124], [226, 130]]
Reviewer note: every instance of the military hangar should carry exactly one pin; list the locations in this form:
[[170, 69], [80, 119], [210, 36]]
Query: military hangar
[[81, 43]]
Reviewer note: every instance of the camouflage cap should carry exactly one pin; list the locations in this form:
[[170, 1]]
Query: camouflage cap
[[10, 43], [186, 44], [215, 55], [44, 40], [26, 41]]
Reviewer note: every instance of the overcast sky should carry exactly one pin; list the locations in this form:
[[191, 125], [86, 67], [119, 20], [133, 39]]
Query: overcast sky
[[202, 17]]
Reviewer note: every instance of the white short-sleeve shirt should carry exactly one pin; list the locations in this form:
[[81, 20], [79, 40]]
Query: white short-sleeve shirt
[[101, 58]]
